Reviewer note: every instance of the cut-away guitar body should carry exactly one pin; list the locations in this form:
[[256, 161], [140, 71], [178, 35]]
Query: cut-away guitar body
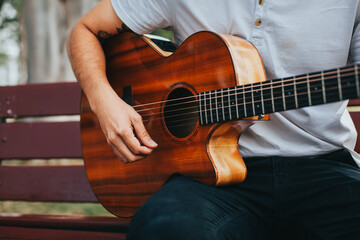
[[190, 101], [152, 81]]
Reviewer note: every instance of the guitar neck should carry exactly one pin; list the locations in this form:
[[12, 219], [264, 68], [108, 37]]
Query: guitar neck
[[279, 95]]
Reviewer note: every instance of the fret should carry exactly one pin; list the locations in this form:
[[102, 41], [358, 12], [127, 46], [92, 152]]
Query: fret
[[208, 106], [257, 102], [339, 84], [232, 103], [278, 96], [213, 106], [205, 110], [323, 86], [308, 89], [272, 96], [229, 102], [200, 111], [252, 100], [267, 97], [222, 103], [317, 95], [244, 100], [226, 103], [289, 93], [262, 98], [357, 81], [216, 104], [348, 83], [302, 91], [295, 93], [211, 109], [240, 103], [227, 106], [331, 86], [283, 93], [236, 103]]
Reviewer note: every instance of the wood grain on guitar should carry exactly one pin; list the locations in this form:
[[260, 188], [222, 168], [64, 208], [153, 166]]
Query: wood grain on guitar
[[202, 63], [191, 102]]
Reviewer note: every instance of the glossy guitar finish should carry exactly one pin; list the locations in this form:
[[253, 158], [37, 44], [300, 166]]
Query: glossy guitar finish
[[208, 153]]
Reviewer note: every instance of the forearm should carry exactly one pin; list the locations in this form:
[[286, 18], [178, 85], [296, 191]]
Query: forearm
[[86, 53], [118, 120], [88, 62]]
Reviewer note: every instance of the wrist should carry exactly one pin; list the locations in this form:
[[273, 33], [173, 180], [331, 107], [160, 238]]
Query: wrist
[[100, 95]]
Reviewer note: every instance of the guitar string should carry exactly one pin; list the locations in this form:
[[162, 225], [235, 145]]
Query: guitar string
[[186, 124], [244, 92], [246, 100], [268, 82], [287, 102], [312, 78], [292, 102], [298, 89]]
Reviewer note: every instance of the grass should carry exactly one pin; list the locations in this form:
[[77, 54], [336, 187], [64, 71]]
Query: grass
[[89, 209]]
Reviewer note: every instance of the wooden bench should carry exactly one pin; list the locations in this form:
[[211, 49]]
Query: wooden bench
[[39, 139], [21, 139]]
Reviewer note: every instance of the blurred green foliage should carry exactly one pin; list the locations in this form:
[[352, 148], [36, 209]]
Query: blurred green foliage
[[164, 33], [10, 11], [5, 19]]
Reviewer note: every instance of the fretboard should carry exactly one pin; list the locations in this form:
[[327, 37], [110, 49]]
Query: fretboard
[[279, 95]]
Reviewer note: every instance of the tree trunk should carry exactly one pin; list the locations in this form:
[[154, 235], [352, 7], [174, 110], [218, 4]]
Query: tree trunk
[[46, 25]]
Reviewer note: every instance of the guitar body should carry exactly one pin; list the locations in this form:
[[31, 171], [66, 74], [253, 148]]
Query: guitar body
[[145, 74]]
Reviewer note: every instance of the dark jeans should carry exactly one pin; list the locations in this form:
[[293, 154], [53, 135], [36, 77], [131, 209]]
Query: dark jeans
[[282, 198]]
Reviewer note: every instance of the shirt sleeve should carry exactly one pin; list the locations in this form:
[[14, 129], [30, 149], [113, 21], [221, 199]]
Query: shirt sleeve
[[144, 16], [355, 41]]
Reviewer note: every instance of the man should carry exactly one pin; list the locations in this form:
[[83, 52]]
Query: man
[[298, 186]]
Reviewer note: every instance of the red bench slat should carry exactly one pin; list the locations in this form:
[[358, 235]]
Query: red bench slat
[[45, 183], [40, 100], [40, 140], [354, 102], [356, 119]]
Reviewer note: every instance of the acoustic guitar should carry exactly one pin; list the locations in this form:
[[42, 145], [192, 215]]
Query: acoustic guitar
[[191, 101]]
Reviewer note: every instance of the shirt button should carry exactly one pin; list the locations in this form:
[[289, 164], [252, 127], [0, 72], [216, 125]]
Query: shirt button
[[258, 22], [261, 2]]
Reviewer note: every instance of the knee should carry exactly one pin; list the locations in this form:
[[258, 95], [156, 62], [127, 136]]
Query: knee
[[171, 214], [167, 224]]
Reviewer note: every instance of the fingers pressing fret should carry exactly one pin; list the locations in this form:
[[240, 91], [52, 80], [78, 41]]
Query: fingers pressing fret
[[103, 35]]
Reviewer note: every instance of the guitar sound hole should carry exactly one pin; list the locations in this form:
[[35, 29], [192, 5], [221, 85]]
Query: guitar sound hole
[[180, 112]]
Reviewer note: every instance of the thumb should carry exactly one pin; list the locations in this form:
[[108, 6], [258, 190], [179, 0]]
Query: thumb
[[144, 136]]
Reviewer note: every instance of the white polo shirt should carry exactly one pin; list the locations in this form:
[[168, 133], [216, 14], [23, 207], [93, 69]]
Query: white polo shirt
[[292, 37]]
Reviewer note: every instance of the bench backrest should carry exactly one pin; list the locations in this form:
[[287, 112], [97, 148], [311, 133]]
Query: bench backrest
[[39, 139]]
